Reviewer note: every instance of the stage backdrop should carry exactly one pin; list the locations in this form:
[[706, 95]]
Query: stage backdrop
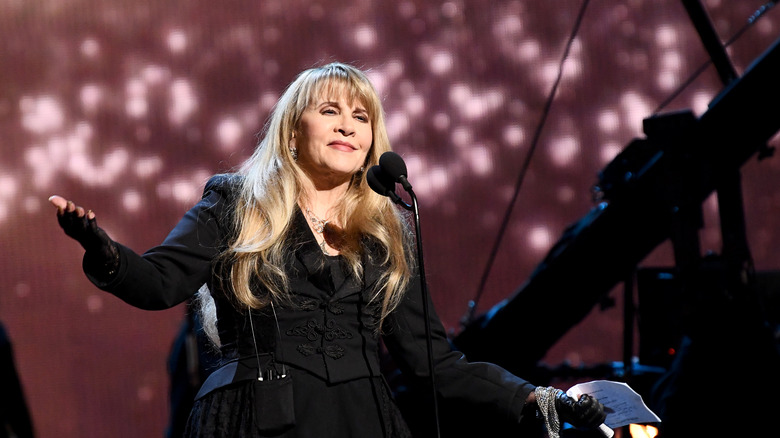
[[128, 106]]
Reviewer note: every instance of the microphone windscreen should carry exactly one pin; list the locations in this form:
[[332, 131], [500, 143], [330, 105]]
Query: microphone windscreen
[[378, 181], [393, 165]]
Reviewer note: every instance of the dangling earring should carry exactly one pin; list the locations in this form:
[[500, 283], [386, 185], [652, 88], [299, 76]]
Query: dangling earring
[[362, 169], [294, 153]]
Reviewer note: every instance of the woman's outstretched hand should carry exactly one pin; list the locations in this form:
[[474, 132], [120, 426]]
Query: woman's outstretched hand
[[81, 225]]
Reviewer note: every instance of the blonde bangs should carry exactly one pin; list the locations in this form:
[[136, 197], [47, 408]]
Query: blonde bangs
[[334, 82]]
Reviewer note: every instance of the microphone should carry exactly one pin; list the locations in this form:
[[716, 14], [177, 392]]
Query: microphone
[[384, 185], [392, 164], [382, 179]]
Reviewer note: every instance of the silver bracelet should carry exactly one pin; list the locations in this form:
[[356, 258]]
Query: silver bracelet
[[545, 399]]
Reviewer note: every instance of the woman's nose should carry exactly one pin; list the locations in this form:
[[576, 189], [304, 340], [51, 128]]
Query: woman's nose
[[346, 126]]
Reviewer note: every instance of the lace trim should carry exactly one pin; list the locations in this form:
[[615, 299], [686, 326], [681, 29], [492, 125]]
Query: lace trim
[[313, 331], [334, 351], [311, 304]]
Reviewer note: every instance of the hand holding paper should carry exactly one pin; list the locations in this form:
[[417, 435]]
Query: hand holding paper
[[624, 406]]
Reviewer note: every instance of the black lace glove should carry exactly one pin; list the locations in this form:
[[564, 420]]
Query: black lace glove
[[586, 413], [101, 257]]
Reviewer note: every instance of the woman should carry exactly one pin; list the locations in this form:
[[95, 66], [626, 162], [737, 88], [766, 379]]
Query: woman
[[309, 270]]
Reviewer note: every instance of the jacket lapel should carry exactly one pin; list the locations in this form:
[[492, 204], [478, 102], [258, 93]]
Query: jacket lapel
[[310, 262]]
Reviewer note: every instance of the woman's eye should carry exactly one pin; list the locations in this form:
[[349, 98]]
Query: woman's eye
[[362, 117]]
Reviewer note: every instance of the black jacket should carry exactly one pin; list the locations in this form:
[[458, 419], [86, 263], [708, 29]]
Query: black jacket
[[329, 332]]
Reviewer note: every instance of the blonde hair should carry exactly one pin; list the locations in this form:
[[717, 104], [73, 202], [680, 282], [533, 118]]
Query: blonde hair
[[273, 183]]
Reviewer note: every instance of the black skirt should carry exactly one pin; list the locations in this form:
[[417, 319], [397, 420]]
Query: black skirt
[[358, 408]]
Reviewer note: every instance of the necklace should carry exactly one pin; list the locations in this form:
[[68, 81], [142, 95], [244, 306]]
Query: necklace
[[319, 227]]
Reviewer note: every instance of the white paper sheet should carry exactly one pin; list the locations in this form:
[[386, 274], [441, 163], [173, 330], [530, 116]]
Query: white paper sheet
[[623, 405]]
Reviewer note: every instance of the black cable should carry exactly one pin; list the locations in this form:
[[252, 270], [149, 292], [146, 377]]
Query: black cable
[[548, 104]]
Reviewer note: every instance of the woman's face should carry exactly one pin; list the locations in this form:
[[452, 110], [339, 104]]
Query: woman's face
[[333, 139]]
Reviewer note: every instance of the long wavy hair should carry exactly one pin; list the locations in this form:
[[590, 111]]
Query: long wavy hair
[[273, 183]]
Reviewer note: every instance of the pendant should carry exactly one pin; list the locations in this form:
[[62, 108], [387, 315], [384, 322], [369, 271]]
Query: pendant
[[323, 247]]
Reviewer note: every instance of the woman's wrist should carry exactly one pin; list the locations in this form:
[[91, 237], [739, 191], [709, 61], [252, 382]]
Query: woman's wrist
[[531, 399]]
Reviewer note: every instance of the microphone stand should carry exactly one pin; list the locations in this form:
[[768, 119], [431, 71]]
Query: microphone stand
[[426, 311], [382, 179], [397, 199]]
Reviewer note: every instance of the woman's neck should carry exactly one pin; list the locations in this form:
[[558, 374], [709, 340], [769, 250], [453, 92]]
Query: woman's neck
[[322, 201], [319, 208]]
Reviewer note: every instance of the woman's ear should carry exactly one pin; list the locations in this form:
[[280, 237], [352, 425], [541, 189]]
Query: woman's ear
[[291, 146]]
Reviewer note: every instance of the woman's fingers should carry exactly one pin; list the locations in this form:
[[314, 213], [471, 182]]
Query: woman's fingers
[[59, 202], [65, 206]]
